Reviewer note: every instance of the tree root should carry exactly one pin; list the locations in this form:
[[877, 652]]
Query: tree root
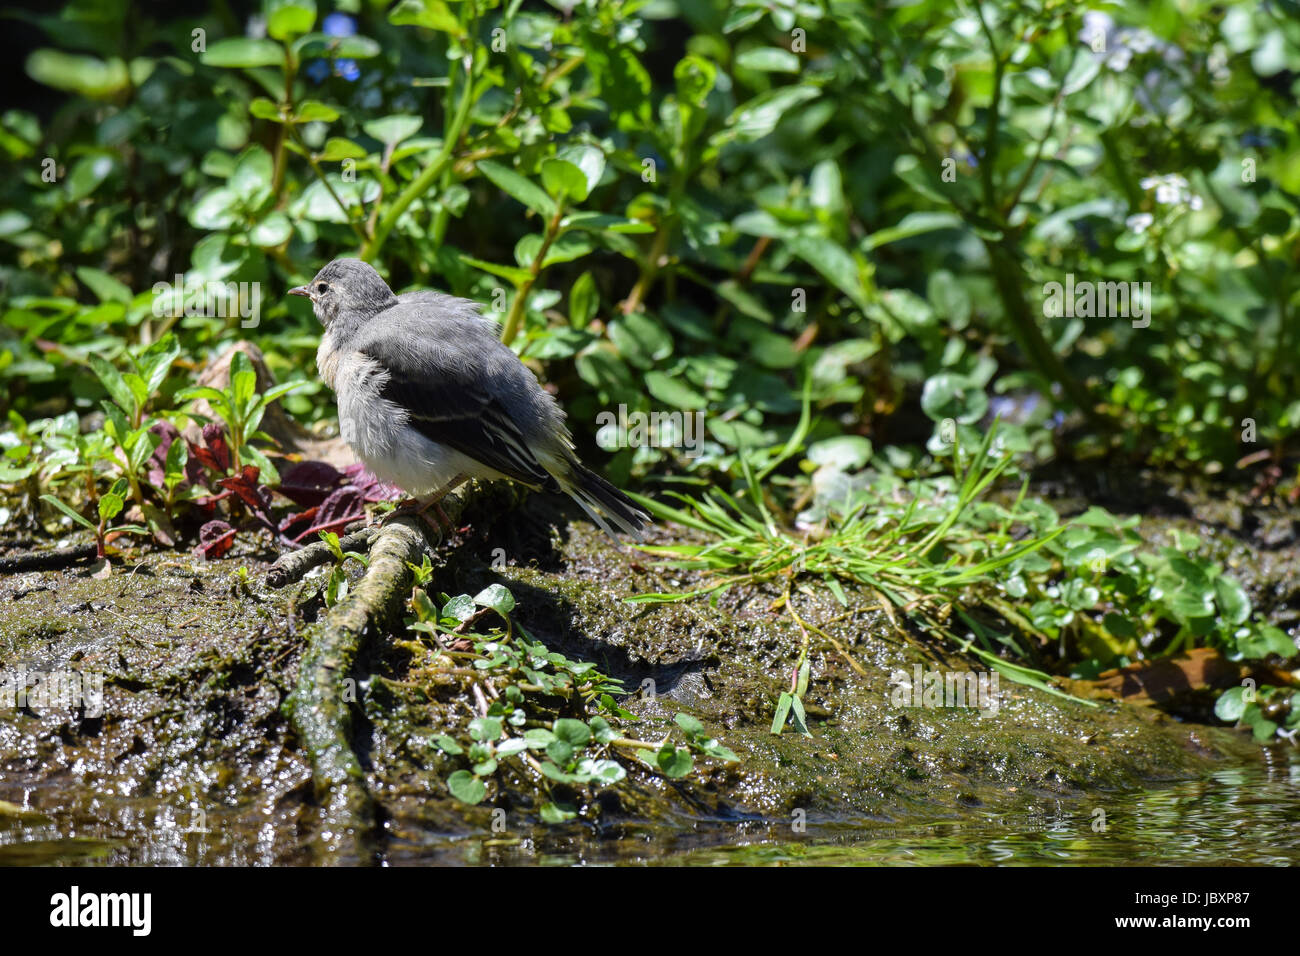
[[46, 560], [320, 706], [291, 567]]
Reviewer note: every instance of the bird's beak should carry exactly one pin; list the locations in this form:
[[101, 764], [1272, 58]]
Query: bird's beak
[[300, 290]]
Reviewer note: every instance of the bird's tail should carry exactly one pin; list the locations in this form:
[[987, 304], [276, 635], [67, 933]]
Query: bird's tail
[[604, 504]]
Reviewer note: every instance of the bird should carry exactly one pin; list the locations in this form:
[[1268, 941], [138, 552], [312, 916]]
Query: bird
[[430, 397]]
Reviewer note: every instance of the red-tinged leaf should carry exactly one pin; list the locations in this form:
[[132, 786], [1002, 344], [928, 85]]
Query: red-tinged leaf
[[245, 486], [209, 461], [215, 539], [214, 436], [156, 467], [308, 483], [347, 503], [339, 510], [371, 488], [297, 517]]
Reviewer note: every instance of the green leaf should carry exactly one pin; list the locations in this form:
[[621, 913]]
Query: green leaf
[[391, 130], [555, 812], [589, 159], [1234, 605], [105, 287], [497, 597], [1264, 730], [573, 732], [87, 175], [564, 181], [950, 395], [1231, 705], [640, 339], [243, 381], [272, 231], [67, 510], [782, 711], [758, 117], [215, 210], [584, 301], [460, 608], [768, 59], [691, 725], [87, 75], [337, 148], [914, 224], [110, 506], [244, 52], [674, 762], [518, 187], [112, 381], [466, 787], [430, 14], [313, 111], [262, 108], [286, 19], [799, 719], [842, 453], [834, 263], [252, 177], [448, 745], [673, 391], [156, 361], [355, 47], [485, 729], [514, 274]]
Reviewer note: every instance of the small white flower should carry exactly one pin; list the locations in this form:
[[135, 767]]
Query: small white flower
[[1148, 182], [1119, 59], [1140, 222], [1167, 194], [1194, 201], [1138, 40]]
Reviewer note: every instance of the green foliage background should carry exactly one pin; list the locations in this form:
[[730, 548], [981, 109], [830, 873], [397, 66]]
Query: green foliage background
[[695, 205]]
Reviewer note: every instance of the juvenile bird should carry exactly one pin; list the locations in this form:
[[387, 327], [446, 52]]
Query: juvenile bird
[[429, 397]]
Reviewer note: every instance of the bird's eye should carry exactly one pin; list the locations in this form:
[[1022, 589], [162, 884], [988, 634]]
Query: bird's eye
[[322, 287]]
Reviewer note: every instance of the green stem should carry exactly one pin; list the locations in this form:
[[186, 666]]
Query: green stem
[[277, 178], [515, 317], [420, 185], [320, 174], [1011, 281]]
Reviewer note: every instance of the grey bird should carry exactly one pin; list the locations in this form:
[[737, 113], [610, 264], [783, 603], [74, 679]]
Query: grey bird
[[429, 397]]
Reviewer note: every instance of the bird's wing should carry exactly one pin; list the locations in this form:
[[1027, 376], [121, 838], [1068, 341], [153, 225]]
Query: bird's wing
[[443, 389], [449, 306]]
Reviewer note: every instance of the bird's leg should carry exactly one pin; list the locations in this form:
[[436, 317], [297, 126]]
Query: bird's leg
[[412, 506], [437, 497]]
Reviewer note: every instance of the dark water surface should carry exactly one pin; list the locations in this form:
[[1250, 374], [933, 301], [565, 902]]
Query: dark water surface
[[1247, 815]]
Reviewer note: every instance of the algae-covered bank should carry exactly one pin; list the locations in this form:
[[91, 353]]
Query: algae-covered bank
[[193, 754]]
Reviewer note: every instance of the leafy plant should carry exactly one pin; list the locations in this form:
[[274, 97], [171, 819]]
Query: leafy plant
[[107, 508], [579, 745], [241, 407]]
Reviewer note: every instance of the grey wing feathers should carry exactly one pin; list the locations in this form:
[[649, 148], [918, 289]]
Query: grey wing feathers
[[448, 306], [464, 389]]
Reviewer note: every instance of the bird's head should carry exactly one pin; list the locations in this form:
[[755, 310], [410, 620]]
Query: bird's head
[[346, 287]]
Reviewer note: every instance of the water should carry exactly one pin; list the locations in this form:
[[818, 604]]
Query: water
[[1247, 815]]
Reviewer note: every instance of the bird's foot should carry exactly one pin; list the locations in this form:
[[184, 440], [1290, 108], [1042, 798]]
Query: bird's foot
[[411, 507]]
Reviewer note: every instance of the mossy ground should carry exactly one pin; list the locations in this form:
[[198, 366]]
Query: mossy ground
[[197, 664]]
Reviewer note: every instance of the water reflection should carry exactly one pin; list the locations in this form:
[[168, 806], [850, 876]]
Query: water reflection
[[1236, 816]]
